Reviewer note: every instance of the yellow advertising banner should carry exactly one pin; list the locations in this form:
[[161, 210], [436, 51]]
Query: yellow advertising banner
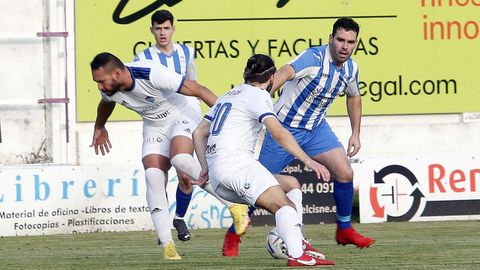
[[415, 56]]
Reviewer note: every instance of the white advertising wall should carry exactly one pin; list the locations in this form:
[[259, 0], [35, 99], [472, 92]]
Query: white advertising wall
[[76, 199]]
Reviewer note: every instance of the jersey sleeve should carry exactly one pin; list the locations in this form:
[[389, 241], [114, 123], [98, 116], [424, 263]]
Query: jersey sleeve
[[261, 106], [191, 67], [211, 112], [353, 89], [166, 80], [306, 61]]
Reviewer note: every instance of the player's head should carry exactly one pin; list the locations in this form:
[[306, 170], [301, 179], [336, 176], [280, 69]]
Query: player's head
[[343, 39], [162, 27], [106, 70], [259, 69]]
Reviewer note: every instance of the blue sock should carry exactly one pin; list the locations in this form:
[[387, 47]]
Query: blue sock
[[250, 213], [343, 195], [183, 200]]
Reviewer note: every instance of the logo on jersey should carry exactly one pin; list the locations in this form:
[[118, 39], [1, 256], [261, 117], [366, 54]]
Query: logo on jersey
[[210, 149], [149, 108], [152, 140], [235, 92], [162, 115], [124, 103], [246, 186], [150, 99], [315, 93]]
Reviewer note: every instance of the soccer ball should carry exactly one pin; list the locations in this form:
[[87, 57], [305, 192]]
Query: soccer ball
[[276, 246]]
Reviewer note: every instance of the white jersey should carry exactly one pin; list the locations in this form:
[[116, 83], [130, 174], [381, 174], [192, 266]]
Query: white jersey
[[182, 61], [305, 99], [236, 120], [154, 94]]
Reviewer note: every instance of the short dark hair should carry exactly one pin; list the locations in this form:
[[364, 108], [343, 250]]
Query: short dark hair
[[161, 16], [260, 68], [106, 60], [346, 23]]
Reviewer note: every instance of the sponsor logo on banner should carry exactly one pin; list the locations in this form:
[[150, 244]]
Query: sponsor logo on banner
[[416, 190], [78, 199]]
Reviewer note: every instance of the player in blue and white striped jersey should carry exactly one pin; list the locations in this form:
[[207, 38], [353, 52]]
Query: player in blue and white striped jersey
[[181, 59], [311, 82]]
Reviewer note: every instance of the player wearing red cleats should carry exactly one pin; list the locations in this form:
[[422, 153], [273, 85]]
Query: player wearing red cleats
[[230, 244], [350, 236], [311, 251], [307, 260]]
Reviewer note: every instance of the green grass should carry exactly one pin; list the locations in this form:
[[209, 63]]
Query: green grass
[[421, 245]]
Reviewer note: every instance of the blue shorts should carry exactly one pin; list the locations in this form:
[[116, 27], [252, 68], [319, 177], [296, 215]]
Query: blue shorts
[[319, 140]]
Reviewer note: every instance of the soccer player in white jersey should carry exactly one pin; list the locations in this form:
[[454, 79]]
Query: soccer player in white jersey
[[155, 93], [225, 141], [311, 82], [181, 59]]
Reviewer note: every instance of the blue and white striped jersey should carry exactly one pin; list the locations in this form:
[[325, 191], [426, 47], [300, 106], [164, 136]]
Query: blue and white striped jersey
[[182, 61], [304, 100]]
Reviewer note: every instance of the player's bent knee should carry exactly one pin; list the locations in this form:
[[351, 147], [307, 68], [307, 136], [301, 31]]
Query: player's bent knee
[[287, 182], [185, 182], [345, 175]]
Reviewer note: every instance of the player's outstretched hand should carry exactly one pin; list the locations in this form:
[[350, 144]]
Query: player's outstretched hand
[[321, 171], [202, 179], [101, 141]]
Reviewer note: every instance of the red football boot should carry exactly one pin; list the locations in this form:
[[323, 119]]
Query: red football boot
[[350, 236], [230, 244], [307, 260], [311, 251]]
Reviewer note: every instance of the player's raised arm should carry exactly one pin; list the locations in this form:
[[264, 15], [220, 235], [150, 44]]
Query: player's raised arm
[[193, 88]]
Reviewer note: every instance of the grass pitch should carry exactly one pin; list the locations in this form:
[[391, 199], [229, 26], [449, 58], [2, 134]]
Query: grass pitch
[[421, 245]]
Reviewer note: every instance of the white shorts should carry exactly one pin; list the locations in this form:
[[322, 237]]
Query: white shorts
[[242, 185], [156, 140]]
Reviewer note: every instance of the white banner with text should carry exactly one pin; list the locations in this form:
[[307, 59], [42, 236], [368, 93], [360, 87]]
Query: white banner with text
[[48, 199]]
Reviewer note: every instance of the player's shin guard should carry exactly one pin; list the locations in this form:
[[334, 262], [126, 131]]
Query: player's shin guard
[[183, 200], [187, 164], [158, 204], [295, 195], [288, 228], [343, 195]]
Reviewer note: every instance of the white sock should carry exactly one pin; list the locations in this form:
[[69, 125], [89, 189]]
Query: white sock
[[288, 229], [187, 164], [208, 188], [158, 204], [295, 195]]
